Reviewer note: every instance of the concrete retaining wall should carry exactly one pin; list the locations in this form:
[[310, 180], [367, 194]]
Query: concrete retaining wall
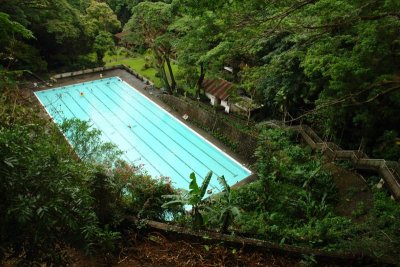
[[101, 69]]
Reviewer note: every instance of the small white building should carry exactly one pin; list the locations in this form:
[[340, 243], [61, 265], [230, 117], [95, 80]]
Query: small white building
[[217, 90]]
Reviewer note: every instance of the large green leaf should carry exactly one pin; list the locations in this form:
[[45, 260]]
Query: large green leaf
[[205, 184], [194, 188], [224, 184]]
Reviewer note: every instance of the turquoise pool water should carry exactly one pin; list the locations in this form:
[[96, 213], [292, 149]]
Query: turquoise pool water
[[148, 135]]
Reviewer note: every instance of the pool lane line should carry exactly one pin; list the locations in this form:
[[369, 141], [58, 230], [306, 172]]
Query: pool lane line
[[234, 160], [144, 142], [165, 161], [74, 116], [104, 90], [188, 140], [90, 103], [51, 104], [98, 127], [63, 118], [155, 138], [132, 146], [116, 130], [97, 111], [140, 114], [165, 134], [168, 125], [59, 96]]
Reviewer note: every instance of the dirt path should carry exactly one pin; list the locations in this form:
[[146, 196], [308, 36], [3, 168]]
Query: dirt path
[[156, 249], [354, 194]]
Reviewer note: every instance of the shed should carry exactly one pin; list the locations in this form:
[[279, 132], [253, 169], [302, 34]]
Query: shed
[[217, 90]]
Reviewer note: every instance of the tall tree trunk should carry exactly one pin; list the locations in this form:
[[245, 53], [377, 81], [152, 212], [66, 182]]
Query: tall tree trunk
[[201, 78], [161, 69], [165, 78], [171, 74]]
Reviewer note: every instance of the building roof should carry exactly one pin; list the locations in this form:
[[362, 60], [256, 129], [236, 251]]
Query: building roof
[[217, 87], [120, 35]]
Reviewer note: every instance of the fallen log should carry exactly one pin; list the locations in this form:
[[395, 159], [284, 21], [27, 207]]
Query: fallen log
[[355, 257]]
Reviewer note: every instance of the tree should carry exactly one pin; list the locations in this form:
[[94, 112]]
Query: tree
[[334, 64], [103, 42], [14, 52], [9, 32], [65, 31], [102, 18], [195, 36], [45, 197], [148, 26]]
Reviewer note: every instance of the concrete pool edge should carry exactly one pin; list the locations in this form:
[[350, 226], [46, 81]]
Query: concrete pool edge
[[139, 86]]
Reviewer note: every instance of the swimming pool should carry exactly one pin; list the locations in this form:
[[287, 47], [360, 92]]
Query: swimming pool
[[148, 135]]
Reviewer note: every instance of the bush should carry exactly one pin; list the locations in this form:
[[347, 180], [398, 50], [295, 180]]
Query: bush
[[44, 197], [142, 194], [50, 199], [293, 200], [146, 66], [88, 144]]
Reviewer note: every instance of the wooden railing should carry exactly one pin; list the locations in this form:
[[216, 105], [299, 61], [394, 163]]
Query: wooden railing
[[388, 170]]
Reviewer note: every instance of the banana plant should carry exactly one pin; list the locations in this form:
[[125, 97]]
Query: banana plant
[[224, 211], [193, 197]]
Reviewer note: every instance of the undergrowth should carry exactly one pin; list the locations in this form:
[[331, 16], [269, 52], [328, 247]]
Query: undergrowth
[[50, 199], [294, 201]]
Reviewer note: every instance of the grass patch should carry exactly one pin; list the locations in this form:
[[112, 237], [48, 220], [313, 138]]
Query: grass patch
[[137, 62]]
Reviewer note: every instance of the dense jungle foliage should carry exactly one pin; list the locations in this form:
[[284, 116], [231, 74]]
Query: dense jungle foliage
[[51, 200], [330, 63], [333, 64], [295, 202]]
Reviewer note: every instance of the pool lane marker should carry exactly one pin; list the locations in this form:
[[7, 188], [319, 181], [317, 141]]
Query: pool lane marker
[[146, 143], [159, 129], [132, 146], [223, 152], [169, 126]]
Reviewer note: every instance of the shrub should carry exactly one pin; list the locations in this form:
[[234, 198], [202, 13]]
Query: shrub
[[88, 144], [43, 198], [142, 194], [50, 199], [294, 193]]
